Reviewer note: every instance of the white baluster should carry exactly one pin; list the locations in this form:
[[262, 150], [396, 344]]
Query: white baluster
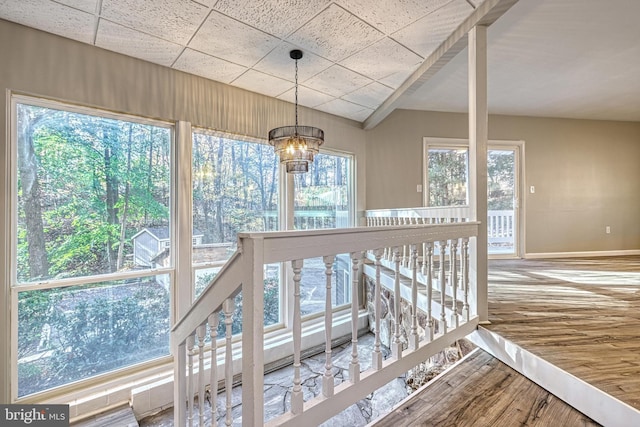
[[376, 361], [453, 279], [465, 277], [190, 380], [429, 274], [413, 335], [396, 346], [228, 306], [297, 402], [213, 380], [327, 378], [443, 287], [200, 332], [354, 366]]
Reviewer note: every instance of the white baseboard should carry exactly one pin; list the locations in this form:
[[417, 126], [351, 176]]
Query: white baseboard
[[584, 254]]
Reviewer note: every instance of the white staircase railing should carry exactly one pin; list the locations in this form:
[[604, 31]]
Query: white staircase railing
[[451, 316], [501, 232]]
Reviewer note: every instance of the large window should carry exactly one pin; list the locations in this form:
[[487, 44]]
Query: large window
[[92, 197], [235, 189]]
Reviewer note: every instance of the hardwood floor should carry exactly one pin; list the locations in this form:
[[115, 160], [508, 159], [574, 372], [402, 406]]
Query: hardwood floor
[[581, 315], [480, 392]]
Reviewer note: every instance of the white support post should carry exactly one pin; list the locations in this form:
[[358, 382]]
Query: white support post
[[180, 386], [478, 138], [253, 332], [453, 282]]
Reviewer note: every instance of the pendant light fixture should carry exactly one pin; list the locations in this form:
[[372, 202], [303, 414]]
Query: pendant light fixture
[[296, 145]]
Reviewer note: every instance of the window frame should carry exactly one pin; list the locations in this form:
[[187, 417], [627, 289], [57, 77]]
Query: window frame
[[15, 287]]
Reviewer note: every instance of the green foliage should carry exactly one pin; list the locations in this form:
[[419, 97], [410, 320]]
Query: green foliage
[[92, 331]]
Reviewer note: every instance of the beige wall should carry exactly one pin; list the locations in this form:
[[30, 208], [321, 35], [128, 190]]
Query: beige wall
[[586, 174], [41, 64]]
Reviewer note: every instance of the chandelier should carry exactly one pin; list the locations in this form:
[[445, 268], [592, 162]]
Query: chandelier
[[296, 145]]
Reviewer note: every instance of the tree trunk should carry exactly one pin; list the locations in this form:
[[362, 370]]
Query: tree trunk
[[111, 178], [31, 196], [127, 189]]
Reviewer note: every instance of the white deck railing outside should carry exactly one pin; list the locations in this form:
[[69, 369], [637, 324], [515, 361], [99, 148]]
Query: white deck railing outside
[[408, 250]]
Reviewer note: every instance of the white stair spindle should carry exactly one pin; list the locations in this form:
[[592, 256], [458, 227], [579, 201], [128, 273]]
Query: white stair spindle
[[213, 372], [297, 402], [429, 274], [396, 346], [453, 260], [354, 366], [376, 361], [465, 277], [443, 287], [190, 380], [327, 378], [200, 333], [414, 339], [228, 306]]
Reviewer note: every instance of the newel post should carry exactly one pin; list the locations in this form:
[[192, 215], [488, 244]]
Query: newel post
[[253, 332], [478, 140]]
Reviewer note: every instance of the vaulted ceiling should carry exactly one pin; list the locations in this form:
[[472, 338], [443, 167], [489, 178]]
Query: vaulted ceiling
[[546, 57]]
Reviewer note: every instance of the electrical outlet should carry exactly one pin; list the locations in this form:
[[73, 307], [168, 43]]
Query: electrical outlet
[[419, 188], [607, 229], [532, 189]]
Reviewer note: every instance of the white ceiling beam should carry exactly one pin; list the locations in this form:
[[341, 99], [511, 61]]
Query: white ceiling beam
[[486, 14]]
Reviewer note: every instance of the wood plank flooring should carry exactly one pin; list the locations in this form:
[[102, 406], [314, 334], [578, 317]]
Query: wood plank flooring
[[482, 391], [581, 315]]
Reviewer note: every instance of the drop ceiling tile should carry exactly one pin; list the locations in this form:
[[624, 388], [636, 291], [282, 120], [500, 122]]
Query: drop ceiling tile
[[50, 17], [256, 81], [337, 81], [201, 64], [426, 34], [172, 20], [278, 63], [233, 41], [396, 58], [134, 43], [369, 96], [277, 17], [343, 108], [391, 15], [306, 96], [335, 34], [86, 5]]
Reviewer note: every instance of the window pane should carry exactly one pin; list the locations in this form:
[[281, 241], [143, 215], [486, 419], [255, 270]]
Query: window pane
[[73, 333], [235, 189], [93, 194], [322, 201], [448, 176]]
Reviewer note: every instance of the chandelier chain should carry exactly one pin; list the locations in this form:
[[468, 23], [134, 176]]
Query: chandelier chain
[[296, 96]]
